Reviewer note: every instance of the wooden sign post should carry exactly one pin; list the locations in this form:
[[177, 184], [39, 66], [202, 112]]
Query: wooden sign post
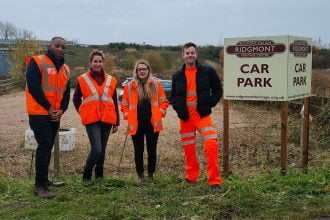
[[284, 136], [57, 155], [269, 68], [226, 170], [304, 160]]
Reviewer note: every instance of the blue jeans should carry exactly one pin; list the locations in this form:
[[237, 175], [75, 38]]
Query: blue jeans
[[98, 134]]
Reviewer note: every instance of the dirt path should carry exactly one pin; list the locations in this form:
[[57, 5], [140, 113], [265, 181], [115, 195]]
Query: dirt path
[[15, 160]]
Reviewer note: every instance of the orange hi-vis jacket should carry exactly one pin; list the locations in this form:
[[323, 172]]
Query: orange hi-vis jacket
[[129, 106], [97, 103], [53, 85]]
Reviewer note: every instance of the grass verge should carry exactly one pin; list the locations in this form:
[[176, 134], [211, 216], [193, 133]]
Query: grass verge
[[265, 196]]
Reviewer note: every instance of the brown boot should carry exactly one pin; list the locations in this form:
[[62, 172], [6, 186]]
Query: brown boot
[[141, 178], [150, 176], [43, 192]]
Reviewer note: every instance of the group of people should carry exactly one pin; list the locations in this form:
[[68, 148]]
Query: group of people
[[196, 88]]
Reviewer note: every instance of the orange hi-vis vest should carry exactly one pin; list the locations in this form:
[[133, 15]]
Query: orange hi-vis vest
[[129, 106], [53, 85], [97, 103]]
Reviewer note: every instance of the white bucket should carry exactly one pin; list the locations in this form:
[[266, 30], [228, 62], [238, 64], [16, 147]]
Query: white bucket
[[67, 139]]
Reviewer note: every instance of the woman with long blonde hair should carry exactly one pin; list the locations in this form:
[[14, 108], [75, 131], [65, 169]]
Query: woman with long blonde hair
[[144, 105]]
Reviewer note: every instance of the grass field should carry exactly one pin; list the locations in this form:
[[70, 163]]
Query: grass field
[[265, 196], [255, 190]]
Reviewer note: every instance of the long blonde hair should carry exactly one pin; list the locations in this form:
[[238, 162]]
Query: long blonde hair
[[149, 88]]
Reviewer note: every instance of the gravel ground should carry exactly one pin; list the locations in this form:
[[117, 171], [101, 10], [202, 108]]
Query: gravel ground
[[15, 160]]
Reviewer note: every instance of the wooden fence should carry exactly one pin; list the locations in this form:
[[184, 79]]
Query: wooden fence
[[8, 84]]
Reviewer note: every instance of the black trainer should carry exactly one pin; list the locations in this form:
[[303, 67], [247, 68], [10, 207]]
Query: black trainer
[[141, 178], [185, 180], [216, 187]]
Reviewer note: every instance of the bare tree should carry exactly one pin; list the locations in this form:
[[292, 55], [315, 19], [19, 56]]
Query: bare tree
[[7, 30], [25, 35], [27, 45]]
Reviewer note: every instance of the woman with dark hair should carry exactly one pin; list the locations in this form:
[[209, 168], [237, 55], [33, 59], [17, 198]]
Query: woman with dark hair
[[95, 99], [144, 105]]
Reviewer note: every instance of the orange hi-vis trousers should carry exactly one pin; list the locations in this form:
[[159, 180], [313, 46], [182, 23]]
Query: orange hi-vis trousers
[[188, 135]]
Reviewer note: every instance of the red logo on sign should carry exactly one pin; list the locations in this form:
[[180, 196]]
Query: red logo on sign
[[300, 48], [255, 48]]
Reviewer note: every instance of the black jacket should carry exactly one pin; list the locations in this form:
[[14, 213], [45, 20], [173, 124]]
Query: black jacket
[[208, 86], [33, 81]]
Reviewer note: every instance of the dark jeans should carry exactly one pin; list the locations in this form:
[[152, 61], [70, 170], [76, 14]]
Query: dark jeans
[[98, 134], [44, 132], [145, 129]]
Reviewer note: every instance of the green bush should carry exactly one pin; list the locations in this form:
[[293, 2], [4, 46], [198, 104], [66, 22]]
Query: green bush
[[157, 62], [130, 62]]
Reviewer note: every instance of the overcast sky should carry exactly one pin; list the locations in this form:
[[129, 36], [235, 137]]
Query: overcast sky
[[168, 22]]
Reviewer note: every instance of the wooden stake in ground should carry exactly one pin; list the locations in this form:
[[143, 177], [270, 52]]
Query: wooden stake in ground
[[57, 155], [226, 137], [284, 136], [304, 161], [122, 153]]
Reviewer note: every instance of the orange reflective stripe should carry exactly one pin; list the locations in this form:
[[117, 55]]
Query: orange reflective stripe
[[210, 136], [162, 111], [154, 103], [191, 103], [161, 99], [90, 84], [44, 66], [191, 93], [129, 90], [130, 127], [188, 142], [206, 129], [190, 134], [105, 96], [158, 123], [89, 99]]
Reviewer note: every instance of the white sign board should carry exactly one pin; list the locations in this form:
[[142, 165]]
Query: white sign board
[[274, 68]]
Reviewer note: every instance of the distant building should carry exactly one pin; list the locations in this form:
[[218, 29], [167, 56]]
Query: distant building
[[11, 42], [4, 65], [5, 48]]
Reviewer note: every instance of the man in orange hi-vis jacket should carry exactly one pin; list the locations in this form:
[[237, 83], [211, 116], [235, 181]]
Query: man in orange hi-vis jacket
[[196, 88], [47, 98]]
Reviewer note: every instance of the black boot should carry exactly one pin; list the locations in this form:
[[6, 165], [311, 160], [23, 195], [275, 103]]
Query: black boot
[[141, 178], [98, 172], [150, 176], [87, 176]]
